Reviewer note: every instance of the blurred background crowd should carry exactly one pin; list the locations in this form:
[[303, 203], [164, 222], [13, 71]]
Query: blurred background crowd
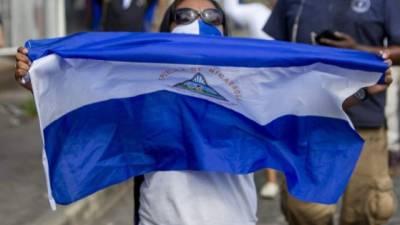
[[30, 19]]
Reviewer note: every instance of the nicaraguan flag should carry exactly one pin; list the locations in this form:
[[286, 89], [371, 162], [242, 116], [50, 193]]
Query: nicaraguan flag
[[116, 105]]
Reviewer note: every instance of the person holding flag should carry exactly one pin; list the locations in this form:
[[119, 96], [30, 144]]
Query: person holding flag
[[188, 198], [192, 197]]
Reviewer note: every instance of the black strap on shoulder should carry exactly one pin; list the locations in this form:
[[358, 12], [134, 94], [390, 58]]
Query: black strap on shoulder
[[136, 197]]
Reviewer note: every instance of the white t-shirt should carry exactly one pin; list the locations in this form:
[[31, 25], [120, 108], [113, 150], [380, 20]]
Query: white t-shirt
[[197, 198]]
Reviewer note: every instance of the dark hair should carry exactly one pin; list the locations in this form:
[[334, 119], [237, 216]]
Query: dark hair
[[169, 16]]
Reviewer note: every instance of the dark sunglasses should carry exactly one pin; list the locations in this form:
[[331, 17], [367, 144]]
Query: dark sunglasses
[[186, 16]]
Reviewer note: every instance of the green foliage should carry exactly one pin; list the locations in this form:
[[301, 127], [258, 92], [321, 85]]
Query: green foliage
[[29, 108]]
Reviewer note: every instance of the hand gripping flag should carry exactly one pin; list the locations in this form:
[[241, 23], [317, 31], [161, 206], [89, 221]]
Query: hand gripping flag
[[116, 105]]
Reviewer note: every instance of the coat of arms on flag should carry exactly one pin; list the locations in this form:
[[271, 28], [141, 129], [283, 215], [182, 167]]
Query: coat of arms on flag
[[199, 85]]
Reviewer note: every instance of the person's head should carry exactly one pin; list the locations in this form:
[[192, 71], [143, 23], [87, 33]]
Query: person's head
[[182, 12]]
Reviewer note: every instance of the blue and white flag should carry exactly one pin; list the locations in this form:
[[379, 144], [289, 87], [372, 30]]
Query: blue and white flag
[[115, 105]]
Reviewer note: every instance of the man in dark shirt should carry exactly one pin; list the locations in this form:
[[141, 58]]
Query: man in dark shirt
[[125, 15], [355, 24]]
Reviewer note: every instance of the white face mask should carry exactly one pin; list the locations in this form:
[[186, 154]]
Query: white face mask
[[197, 27]]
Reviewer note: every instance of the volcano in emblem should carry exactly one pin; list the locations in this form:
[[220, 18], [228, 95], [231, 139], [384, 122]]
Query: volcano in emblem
[[199, 85]]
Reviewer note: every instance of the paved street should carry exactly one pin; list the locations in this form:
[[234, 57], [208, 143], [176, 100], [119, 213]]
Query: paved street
[[23, 194]]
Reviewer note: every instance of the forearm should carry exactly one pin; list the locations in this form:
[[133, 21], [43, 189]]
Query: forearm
[[364, 93], [394, 52], [349, 102]]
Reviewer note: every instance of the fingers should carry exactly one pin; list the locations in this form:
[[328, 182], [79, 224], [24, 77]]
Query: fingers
[[22, 50], [388, 77], [388, 74], [19, 57], [342, 40], [22, 67], [330, 42], [341, 35], [339, 44], [385, 54], [388, 80], [20, 73], [22, 63], [389, 62], [20, 77], [378, 88]]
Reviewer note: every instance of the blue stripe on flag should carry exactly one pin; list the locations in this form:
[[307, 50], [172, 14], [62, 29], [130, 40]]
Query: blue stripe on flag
[[200, 50], [107, 142]]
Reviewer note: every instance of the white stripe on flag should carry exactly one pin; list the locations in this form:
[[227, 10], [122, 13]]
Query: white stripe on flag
[[63, 85]]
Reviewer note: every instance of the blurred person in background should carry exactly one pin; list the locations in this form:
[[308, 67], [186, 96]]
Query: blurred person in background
[[361, 25], [93, 12], [128, 15], [253, 16], [2, 42], [121, 15], [393, 122]]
